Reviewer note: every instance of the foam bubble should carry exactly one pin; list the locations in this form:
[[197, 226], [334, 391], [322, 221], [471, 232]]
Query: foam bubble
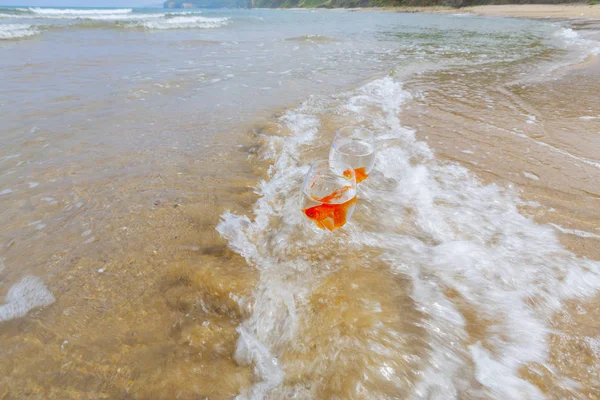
[[17, 31], [576, 232], [25, 295]]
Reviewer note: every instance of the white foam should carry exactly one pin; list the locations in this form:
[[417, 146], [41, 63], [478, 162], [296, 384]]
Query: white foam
[[576, 232], [6, 191], [565, 153], [38, 225], [69, 11], [17, 31], [531, 176], [594, 344], [10, 157], [250, 350], [436, 224], [184, 22], [25, 295], [574, 39], [114, 15], [567, 33]]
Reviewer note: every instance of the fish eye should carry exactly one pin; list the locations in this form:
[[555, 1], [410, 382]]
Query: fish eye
[[312, 213]]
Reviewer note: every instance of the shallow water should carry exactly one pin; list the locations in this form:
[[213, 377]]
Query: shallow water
[[469, 269]]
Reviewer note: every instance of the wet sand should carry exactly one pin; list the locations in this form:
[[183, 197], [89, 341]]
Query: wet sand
[[152, 311], [541, 137], [145, 302], [537, 10], [577, 10], [162, 322]]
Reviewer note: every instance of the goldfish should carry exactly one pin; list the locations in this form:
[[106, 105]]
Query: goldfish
[[330, 216], [336, 194], [360, 173]]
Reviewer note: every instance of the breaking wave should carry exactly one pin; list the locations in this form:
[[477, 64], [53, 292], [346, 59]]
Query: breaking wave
[[17, 31], [118, 18], [61, 11], [183, 22], [460, 244]]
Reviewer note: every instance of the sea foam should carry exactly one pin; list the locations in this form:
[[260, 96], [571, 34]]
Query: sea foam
[[25, 295], [68, 11], [574, 39], [183, 22], [109, 15], [17, 31], [436, 224]]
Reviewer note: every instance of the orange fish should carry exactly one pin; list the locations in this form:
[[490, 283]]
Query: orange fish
[[336, 194], [360, 173], [330, 216]]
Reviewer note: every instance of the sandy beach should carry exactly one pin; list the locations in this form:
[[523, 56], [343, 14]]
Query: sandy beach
[[507, 10], [153, 244], [537, 10]]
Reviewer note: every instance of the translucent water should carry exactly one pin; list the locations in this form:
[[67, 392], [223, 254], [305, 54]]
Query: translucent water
[[357, 154]]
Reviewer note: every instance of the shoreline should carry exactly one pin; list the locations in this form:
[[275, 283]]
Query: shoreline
[[565, 10], [177, 230], [537, 11]]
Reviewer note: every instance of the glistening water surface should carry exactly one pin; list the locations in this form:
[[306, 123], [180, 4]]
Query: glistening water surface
[[469, 267]]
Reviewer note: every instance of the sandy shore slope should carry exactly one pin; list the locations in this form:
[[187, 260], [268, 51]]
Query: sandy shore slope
[[508, 10], [538, 10]]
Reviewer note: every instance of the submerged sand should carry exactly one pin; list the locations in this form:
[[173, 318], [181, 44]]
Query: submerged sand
[[541, 136], [159, 318]]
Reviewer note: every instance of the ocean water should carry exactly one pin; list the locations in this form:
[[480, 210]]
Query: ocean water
[[152, 242]]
